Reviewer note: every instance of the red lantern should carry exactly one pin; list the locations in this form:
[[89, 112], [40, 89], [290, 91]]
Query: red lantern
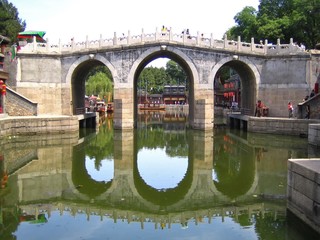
[[4, 89]]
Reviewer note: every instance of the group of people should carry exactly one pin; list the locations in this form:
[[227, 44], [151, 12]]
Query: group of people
[[165, 31], [260, 107]]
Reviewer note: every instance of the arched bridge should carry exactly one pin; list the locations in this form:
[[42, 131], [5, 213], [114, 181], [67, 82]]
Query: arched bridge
[[53, 75]]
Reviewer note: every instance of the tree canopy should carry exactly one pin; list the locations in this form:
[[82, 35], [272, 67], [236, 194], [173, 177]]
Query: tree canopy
[[99, 82], [279, 19], [154, 79], [10, 23]]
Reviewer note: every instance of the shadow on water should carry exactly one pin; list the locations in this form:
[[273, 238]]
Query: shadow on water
[[223, 184]]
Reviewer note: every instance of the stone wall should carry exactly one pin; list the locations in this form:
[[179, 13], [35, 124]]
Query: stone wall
[[287, 126], [314, 134], [304, 190], [38, 125], [17, 105]]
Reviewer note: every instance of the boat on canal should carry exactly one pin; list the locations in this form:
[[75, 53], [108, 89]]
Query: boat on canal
[[152, 107]]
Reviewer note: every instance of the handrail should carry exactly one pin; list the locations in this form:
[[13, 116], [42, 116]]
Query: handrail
[[169, 37]]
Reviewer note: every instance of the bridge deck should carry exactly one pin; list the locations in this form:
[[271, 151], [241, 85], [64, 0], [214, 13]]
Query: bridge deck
[[198, 40]]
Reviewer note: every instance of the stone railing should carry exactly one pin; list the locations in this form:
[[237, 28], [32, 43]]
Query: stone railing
[[168, 37], [314, 106]]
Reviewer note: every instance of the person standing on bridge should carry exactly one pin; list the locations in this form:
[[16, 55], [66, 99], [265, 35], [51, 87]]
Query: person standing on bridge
[[290, 109], [164, 30]]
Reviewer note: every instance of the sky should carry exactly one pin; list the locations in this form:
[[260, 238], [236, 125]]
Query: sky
[[66, 19]]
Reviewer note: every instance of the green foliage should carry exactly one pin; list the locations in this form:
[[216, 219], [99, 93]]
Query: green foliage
[[10, 23], [279, 19], [247, 24], [224, 74], [100, 84], [153, 79], [102, 146], [176, 73], [100, 68], [154, 136]]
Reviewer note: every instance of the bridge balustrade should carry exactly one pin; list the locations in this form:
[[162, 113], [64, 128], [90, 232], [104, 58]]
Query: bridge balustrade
[[183, 38]]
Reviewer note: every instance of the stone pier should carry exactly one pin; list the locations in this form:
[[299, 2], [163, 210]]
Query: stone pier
[[314, 134], [33, 125], [304, 190]]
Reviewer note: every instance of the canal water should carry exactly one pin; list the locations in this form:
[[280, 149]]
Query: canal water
[[159, 181]]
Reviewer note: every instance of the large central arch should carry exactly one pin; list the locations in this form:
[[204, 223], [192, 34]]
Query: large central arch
[[165, 52]]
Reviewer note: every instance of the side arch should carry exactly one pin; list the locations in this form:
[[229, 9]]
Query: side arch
[[83, 59], [249, 75], [76, 76]]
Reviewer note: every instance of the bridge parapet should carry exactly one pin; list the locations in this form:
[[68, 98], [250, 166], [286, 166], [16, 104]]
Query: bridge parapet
[[198, 40]]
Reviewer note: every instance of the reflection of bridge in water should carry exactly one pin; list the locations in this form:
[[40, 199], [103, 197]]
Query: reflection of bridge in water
[[161, 219], [55, 173]]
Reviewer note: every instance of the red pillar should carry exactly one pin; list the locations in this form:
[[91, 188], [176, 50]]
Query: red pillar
[[316, 88]]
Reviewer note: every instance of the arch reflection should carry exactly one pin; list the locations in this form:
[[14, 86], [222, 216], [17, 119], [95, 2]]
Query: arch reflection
[[154, 137], [234, 166], [96, 147]]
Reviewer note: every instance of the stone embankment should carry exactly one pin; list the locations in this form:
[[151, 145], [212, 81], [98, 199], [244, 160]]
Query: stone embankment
[[314, 134], [304, 190], [33, 125]]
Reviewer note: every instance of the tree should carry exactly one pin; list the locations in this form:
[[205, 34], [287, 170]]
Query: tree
[[10, 23], [153, 79], [176, 73], [99, 84], [247, 25], [306, 19], [279, 19]]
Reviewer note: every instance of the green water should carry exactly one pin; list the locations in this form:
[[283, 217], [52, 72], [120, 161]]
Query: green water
[[160, 181]]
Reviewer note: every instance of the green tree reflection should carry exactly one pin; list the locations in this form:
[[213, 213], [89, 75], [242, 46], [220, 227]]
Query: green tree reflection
[[101, 147]]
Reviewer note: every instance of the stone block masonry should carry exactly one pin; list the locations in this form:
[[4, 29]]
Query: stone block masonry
[[304, 190], [287, 126], [314, 134], [34, 125]]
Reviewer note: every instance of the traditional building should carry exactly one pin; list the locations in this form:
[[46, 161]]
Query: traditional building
[[4, 76]]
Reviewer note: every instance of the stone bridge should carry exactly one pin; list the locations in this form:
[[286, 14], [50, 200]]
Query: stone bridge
[[53, 75]]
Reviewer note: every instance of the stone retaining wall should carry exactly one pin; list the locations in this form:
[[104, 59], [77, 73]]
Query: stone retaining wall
[[314, 134], [18, 105], [304, 190], [286, 126], [38, 125]]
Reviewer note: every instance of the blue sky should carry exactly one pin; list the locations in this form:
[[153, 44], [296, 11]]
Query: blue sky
[[64, 19]]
